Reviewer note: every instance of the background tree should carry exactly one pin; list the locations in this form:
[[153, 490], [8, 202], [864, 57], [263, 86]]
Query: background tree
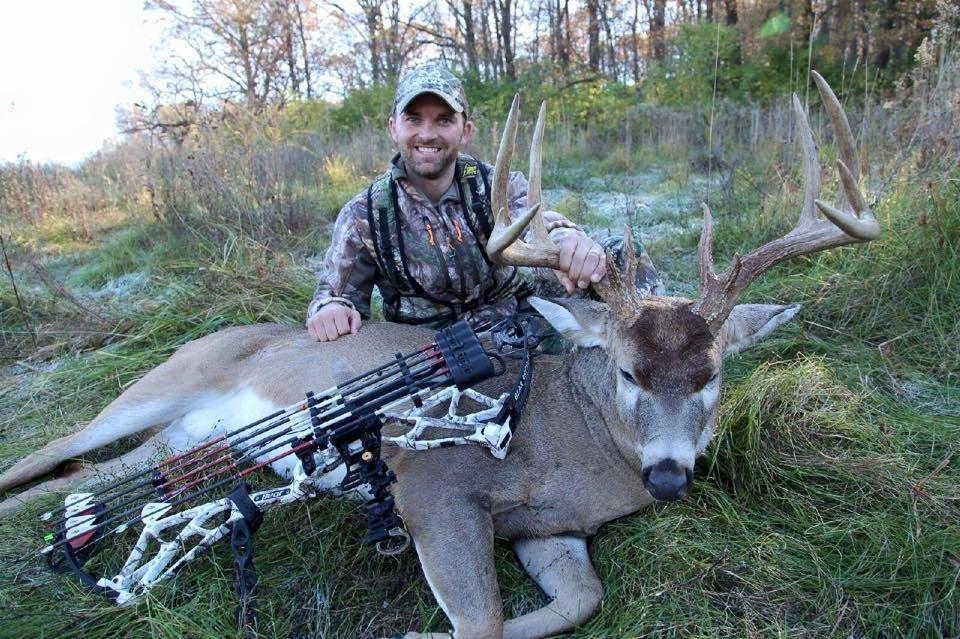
[[278, 51], [228, 48]]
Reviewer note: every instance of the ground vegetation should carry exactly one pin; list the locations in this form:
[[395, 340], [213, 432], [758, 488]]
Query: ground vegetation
[[827, 504]]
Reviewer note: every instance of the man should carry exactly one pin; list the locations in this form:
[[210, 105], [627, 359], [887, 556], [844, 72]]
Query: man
[[418, 231]]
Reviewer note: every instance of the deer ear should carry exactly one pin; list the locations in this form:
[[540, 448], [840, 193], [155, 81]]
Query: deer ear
[[580, 321], [750, 323]]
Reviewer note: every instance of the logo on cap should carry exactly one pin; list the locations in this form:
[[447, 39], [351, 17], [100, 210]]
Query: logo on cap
[[431, 77]]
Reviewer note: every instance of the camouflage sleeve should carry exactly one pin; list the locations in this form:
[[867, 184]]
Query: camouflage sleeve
[[349, 269]]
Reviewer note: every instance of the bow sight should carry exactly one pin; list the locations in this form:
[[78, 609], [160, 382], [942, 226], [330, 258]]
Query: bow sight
[[341, 425]]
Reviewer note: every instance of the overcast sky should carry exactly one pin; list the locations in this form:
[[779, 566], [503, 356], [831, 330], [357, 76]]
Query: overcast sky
[[64, 67]]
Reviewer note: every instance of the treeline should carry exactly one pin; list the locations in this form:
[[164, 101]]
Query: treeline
[[246, 134], [275, 52]]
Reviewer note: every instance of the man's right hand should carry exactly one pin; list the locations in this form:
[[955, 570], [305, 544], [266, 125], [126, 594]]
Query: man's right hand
[[332, 321]]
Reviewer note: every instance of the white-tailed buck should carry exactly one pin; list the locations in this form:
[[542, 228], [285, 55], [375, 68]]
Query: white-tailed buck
[[608, 428]]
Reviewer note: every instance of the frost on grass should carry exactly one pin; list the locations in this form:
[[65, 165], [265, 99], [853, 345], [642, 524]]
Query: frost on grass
[[126, 284]]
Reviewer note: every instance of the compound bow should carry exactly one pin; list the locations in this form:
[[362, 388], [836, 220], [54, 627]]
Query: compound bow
[[341, 425]]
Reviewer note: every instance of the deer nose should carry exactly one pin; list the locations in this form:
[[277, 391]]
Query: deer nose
[[667, 480]]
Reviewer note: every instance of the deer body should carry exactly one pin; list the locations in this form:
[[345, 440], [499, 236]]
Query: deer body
[[577, 460], [608, 428]]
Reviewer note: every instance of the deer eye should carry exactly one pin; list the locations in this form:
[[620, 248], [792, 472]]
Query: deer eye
[[713, 377], [627, 376]]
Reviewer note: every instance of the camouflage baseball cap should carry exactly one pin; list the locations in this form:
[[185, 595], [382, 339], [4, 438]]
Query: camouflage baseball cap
[[431, 77]]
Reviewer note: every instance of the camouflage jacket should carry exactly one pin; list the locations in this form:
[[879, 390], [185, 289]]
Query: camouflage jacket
[[442, 254]]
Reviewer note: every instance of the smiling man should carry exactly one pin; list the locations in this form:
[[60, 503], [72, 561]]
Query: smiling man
[[418, 231]]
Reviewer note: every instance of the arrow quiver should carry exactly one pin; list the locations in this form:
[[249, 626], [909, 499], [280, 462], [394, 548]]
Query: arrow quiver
[[341, 425]]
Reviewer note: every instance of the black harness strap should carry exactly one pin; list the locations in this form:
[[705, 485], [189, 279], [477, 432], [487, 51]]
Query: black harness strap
[[381, 264], [481, 219], [477, 209]]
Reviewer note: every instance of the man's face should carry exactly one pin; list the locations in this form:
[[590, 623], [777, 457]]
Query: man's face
[[429, 134]]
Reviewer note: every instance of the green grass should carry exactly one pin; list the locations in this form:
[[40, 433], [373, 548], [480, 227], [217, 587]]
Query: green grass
[[827, 505], [127, 251]]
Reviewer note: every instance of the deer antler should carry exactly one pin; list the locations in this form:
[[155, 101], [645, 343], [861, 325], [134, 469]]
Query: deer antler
[[619, 289], [504, 245], [719, 293]]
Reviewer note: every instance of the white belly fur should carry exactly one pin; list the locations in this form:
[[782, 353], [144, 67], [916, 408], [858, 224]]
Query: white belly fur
[[219, 413]]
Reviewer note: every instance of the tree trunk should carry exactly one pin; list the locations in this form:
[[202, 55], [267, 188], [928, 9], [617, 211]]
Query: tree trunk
[[557, 52], [593, 35], [489, 64], [635, 43], [566, 47], [372, 18], [289, 51], [611, 40], [506, 38], [250, 80], [888, 34], [730, 7], [498, 39], [470, 37], [537, 40], [303, 47], [658, 23], [394, 48]]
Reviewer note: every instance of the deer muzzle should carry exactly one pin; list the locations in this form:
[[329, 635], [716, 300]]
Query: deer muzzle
[[667, 480]]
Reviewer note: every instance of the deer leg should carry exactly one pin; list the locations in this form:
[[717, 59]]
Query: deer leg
[[162, 395], [561, 567], [119, 419], [455, 546], [149, 449]]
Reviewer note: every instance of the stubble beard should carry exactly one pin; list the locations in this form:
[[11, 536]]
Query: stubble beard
[[428, 170]]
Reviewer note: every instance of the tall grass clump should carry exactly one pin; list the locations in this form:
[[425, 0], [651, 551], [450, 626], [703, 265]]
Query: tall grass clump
[[339, 182]]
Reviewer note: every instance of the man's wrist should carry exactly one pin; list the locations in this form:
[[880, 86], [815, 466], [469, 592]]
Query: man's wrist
[[316, 305]]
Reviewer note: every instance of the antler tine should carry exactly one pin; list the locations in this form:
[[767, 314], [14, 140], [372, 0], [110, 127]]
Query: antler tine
[[846, 145], [811, 167], [619, 289], [629, 258], [716, 299], [861, 223], [504, 244], [503, 234], [534, 192], [705, 250], [719, 294]]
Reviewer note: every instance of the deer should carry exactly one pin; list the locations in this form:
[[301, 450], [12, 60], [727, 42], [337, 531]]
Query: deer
[[609, 428]]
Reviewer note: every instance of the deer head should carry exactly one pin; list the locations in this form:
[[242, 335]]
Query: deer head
[[664, 354]]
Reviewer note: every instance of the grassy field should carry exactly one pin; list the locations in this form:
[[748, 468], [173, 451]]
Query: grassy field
[[826, 506]]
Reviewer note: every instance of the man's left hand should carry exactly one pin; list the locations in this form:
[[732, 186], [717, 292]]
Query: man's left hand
[[582, 261]]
